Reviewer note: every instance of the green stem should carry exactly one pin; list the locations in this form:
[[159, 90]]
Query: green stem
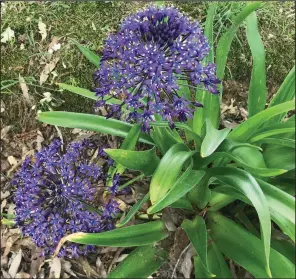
[[131, 181]]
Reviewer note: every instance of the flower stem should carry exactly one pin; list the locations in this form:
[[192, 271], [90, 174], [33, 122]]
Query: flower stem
[[131, 181]]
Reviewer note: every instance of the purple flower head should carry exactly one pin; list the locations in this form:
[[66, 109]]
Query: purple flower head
[[55, 193], [145, 62]]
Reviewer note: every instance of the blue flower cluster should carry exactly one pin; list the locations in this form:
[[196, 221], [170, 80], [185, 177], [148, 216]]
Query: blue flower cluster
[[143, 63], [55, 193]]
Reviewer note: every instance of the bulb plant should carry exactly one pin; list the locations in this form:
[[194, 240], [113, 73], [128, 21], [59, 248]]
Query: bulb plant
[[160, 77]]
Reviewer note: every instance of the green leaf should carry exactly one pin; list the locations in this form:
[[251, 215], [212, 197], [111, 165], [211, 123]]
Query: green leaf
[[168, 171], [278, 141], [282, 207], [133, 211], [281, 157], [182, 203], [140, 263], [86, 93], [272, 130], [216, 263], [137, 235], [285, 93], [144, 161], [197, 233], [257, 90], [212, 139], [246, 185], [90, 122], [225, 41], [246, 130], [92, 57], [265, 172], [180, 188], [211, 102], [245, 249]]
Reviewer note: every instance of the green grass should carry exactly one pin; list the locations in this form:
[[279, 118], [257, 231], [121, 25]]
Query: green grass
[[77, 20]]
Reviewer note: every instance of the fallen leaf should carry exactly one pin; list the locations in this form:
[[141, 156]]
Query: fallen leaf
[[10, 210], [36, 262], [187, 266], [87, 268], [5, 130], [100, 268], [22, 46], [54, 42], [55, 268], [4, 165], [42, 29], [25, 90], [5, 273], [7, 35], [39, 140], [2, 106], [5, 194], [23, 275], [12, 161], [66, 266], [15, 264], [49, 67]]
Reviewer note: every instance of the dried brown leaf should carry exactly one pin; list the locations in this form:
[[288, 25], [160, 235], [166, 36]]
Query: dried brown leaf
[[186, 265], [4, 131], [39, 140], [12, 161], [100, 268], [15, 264], [42, 29], [66, 266], [55, 268], [25, 90], [49, 67]]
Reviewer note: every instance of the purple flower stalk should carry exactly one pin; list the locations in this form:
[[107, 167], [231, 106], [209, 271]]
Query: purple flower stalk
[[143, 64], [54, 196]]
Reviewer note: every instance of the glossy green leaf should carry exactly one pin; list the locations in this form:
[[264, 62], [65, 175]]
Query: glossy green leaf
[[284, 247], [164, 138], [212, 139], [283, 157], [140, 263], [246, 249], [272, 130], [90, 122], [210, 101], [257, 90], [278, 141], [182, 203], [245, 130], [265, 172], [285, 93], [133, 211], [246, 185], [197, 232], [144, 161], [168, 171], [86, 93], [216, 263], [137, 235], [282, 207], [91, 56], [180, 188]]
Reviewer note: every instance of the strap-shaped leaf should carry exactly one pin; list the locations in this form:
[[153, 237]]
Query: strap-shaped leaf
[[91, 56], [144, 161], [197, 233], [283, 157], [245, 249], [212, 139], [133, 211], [86, 93], [189, 179], [257, 90], [285, 93], [140, 263], [137, 235], [211, 102], [246, 130], [216, 263], [265, 172], [278, 141], [168, 171], [246, 185], [90, 122]]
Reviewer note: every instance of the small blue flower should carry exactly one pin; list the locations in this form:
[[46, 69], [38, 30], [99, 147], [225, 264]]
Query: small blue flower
[[52, 193], [142, 63]]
